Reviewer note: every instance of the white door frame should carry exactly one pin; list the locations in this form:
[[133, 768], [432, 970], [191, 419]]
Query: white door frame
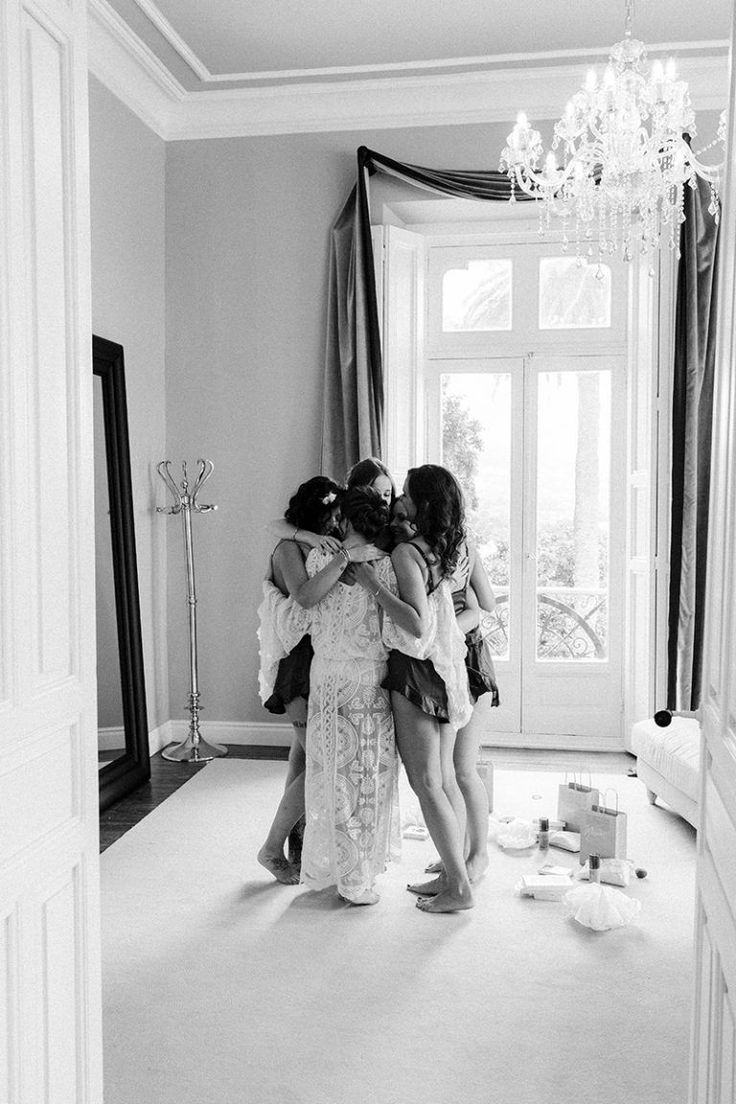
[[713, 1054], [50, 1023]]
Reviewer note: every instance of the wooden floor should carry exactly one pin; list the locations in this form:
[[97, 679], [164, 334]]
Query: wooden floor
[[166, 778]]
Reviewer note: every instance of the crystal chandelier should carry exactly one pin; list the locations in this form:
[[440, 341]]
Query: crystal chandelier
[[625, 157]]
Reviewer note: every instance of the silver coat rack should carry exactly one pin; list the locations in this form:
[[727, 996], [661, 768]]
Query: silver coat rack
[[194, 749]]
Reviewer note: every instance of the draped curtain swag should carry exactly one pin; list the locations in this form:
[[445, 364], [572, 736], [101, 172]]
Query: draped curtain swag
[[352, 425], [692, 424]]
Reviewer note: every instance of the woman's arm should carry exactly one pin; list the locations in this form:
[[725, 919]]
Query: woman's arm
[[308, 592], [282, 529], [409, 610], [480, 582], [469, 618]]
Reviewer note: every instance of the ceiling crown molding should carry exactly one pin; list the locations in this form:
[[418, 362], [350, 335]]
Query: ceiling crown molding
[[123, 63], [130, 69]]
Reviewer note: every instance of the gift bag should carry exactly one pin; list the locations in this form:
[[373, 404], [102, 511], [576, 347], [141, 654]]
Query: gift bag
[[573, 800], [603, 831]]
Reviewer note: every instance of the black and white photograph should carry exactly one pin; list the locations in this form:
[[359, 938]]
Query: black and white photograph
[[367, 552]]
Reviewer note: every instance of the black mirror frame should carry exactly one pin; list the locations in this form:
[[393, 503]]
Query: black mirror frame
[[131, 769]]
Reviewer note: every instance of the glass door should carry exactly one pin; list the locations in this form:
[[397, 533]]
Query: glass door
[[573, 545], [538, 445], [475, 427]]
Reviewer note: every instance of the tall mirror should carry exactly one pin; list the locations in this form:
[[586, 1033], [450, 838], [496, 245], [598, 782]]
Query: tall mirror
[[122, 721]]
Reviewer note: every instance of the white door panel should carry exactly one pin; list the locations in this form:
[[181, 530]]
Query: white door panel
[[491, 391], [574, 477], [50, 1039], [713, 1079], [558, 645]]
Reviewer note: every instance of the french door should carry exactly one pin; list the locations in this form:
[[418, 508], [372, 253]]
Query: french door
[[538, 443]]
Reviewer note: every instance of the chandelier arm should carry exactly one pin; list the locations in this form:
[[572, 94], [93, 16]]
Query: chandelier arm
[[536, 184], [710, 173]]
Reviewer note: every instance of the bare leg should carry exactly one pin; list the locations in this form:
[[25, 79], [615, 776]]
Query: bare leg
[[455, 797], [475, 797], [291, 805], [418, 738]]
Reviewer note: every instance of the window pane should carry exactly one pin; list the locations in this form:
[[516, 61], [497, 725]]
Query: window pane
[[477, 297], [573, 296], [573, 481], [476, 447]]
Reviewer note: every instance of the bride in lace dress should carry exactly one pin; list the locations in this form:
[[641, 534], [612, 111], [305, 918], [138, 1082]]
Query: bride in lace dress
[[351, 794]]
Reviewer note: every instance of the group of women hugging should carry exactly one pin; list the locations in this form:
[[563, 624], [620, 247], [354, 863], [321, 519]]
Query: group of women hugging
[[370, 643]]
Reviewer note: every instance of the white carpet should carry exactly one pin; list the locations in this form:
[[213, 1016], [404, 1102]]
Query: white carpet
[[222, 987]]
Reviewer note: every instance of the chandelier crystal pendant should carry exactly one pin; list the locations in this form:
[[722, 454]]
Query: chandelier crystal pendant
[[625, 157]]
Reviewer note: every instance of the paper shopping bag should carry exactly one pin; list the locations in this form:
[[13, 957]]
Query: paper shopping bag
[[573, 800], [603, 832]]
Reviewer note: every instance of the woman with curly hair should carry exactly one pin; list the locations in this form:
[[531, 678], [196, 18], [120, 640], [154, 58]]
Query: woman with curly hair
[[352, 823], [284, 678], [426, 670]]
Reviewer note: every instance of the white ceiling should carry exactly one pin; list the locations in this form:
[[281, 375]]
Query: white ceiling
[[257, 37], [215, 68]]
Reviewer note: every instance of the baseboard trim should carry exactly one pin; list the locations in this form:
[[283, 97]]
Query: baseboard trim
[[543, 741], [279, 734], [110, 739], [159, 737], [230, 732]]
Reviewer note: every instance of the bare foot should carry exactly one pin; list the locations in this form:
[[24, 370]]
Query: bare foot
[[447, 901], [429, 889], [369, 897], [477, 867], [281, 868]]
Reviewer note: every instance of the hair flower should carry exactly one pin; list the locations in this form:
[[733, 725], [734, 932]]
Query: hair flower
[[329, 499]]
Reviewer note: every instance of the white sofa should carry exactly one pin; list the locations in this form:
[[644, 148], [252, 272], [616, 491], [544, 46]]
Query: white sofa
[[668, 763]]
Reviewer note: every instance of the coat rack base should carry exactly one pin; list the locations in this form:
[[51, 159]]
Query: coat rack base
[[193, 751]]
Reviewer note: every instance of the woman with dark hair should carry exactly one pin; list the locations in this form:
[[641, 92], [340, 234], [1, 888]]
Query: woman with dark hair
[[284, 673], [426, 670], [372, 472], [471, 594], [352, 823]]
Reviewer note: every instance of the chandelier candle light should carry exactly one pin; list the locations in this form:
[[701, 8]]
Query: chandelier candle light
[[194, 749], [625, 157]]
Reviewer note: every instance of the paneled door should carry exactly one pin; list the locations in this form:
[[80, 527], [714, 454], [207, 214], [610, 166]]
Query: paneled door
[[713, 1067], [538, 445], [50, 1036]]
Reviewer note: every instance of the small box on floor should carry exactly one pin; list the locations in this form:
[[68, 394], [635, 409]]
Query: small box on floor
[[544, 887]]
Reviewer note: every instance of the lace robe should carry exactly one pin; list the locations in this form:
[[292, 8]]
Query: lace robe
[[351, 792]]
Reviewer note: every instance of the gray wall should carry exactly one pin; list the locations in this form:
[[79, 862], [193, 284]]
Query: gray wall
[[127, 167], [247, 234], [247, 225]]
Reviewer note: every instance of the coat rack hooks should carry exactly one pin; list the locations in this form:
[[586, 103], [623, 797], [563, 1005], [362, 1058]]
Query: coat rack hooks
[[194, 749]]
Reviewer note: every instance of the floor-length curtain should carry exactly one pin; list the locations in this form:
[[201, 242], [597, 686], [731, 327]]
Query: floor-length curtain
[[692, 421], [353, 392]]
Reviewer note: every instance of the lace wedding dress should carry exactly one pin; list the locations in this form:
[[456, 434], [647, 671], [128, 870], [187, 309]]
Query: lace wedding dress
[[351, 791]]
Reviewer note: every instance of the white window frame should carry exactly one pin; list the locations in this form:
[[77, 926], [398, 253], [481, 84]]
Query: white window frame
[[649, 350]]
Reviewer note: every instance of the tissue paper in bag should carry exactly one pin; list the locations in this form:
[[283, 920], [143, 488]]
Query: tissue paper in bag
[[600, 907]]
